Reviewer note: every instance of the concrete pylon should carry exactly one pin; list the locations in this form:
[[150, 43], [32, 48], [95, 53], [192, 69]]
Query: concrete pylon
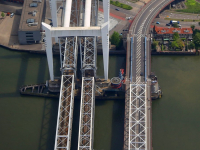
[[48, 44], [105, 37], [53, 8]]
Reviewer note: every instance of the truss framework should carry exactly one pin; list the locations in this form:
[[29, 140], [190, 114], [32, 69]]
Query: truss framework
[[68, 53], [89, 53], [126, 117], [65, 114], [137, 117], [86, 123]]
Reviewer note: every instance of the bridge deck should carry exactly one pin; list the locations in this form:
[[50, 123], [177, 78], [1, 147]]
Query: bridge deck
[[65, 114], [86, 123]]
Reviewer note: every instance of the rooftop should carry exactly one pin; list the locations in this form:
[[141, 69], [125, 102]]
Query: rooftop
[[31, 15], [171, 30]]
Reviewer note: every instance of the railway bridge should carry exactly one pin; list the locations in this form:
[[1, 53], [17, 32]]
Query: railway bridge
[[78, 32]]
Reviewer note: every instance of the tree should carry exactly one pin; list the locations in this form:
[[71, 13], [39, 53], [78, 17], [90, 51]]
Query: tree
[[115, 39], [176, 36], [175, 25], [192, 26], [2, 14], [177, 43], [180, 43], [174, 44], [154, 44], [199, 23], [191, 45], [197, 39]]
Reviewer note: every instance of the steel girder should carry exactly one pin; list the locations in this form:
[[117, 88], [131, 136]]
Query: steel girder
[[126, 117], [86, 123], [89, 55], [65, 114], [68, 53], [137, 117], [88, 46]]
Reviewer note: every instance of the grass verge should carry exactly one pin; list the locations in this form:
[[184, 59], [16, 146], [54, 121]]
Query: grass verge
[[121, 5], [192, 7]]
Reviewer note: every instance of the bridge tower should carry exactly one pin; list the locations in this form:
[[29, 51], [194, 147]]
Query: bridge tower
[[79, 25], [74, 29]]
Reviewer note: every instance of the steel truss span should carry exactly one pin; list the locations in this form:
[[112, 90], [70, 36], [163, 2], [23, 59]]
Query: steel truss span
[[68, 53], [137, 117], [65, 114], [88, 55], [86, 123]]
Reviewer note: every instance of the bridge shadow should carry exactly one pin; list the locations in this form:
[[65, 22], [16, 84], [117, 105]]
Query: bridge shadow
[[117, 135], [22, 71], [49, 121], [41, 73], [75, 125]]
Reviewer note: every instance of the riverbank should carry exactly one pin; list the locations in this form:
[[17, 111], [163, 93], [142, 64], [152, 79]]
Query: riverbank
[[174, 53]]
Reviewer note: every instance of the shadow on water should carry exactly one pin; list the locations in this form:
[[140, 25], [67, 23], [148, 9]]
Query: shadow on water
[[41, 72], [117, 135], [49, 121], [75, 125], [22, 71]]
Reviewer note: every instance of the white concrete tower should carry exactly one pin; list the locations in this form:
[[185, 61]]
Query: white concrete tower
[[105, 37]]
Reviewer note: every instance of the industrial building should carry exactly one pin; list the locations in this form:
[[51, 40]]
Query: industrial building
[[30, 24]]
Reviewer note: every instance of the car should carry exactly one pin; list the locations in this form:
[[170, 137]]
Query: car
[[116, 9], [11, 15], [33, 5], [179, 25], [167, 24], [157, 22]]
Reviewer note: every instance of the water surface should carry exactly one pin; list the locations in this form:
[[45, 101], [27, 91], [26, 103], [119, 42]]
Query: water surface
[[29, 123], [176, 116]]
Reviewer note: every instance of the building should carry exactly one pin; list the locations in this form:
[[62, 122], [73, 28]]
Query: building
[[166, 33], [30, 24]]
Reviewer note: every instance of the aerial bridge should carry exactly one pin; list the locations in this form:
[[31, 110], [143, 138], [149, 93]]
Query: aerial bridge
[[78, 32]]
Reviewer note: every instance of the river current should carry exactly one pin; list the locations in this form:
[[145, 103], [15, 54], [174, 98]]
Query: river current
[[29, 123]]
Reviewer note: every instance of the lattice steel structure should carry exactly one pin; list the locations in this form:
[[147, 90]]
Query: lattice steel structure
[[68, 53], [126, 117], [88, 46], [88, 56], [137, 117], [86, 123], [65, 114]]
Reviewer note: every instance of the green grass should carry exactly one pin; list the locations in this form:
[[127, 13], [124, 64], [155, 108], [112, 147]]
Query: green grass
[[121, 5], [192, 7]]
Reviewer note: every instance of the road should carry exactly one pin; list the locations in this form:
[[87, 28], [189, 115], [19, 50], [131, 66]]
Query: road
[[139, 75]]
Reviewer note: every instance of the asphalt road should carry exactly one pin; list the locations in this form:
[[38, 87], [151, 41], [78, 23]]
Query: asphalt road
[[140, 73], [140, 29]]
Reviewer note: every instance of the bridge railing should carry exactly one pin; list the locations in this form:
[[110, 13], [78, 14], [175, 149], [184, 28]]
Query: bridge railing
[[137, 117], [65, 113], [86, 123]]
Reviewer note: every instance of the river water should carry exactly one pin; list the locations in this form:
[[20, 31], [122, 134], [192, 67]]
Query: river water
[[176, 118], [30, 122]]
